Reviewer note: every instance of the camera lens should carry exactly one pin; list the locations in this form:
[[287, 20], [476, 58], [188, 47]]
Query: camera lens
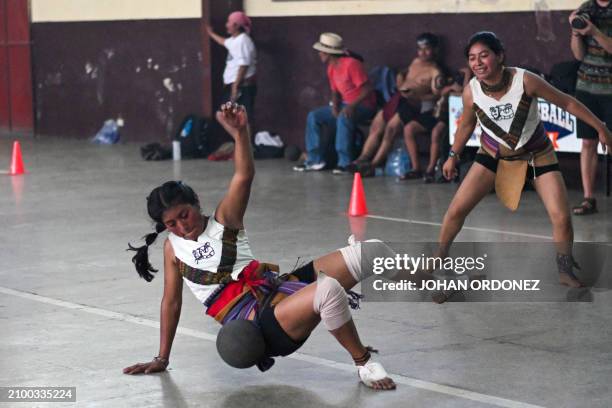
[[578, 23]]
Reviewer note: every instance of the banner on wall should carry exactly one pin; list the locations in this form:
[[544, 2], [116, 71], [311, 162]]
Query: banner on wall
[[560, 125]]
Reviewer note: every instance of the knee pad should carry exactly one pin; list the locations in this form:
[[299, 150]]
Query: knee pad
[[355, 252], [331, 303]]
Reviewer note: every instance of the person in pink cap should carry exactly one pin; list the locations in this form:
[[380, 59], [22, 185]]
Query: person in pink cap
[[240, 67]]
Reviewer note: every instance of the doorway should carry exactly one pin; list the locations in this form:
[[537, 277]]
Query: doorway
[[16, 105]]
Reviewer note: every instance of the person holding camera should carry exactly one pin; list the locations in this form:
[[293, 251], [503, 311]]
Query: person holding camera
[[591, 43]]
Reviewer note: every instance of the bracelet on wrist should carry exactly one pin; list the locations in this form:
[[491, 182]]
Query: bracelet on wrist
[[452, 154]]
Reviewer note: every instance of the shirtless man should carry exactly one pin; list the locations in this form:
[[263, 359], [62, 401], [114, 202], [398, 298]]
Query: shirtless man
[[418, 92], [424, 83]]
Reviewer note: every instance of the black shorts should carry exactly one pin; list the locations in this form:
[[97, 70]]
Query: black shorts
[[601, 106], [491, 164], [305, 273], [278, 343], [407, 113]]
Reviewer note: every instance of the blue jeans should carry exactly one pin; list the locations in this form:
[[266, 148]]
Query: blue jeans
[[345, 129]]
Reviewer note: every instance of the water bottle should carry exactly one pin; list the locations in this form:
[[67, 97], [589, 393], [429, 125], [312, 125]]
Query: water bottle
[[176, 150], [398, 162]]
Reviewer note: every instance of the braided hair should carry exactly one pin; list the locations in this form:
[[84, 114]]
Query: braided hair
[[162, 198]]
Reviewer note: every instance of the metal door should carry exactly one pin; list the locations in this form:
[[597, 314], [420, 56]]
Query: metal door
[[16, 108]]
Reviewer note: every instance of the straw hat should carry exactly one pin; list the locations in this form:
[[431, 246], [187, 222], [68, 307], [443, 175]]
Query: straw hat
[[329, 43]]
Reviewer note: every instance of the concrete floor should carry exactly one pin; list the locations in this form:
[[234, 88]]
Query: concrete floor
[[74, 312]]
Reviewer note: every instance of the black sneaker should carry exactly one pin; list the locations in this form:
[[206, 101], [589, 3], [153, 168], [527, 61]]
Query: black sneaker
[[429, 177]]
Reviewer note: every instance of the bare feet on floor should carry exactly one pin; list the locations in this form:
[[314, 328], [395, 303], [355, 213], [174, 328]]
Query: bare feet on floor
[[566, 280]]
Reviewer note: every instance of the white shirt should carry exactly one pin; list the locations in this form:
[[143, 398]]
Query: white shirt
[[240, 51], [502, 111], [206, 253]]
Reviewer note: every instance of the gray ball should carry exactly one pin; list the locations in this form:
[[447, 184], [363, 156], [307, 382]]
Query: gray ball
[[241, 344]]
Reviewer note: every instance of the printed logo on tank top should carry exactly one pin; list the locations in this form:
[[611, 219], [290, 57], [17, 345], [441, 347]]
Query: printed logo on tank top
[[203, 252], [502, 112]]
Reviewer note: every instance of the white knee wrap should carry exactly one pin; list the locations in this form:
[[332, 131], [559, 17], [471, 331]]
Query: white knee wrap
[[352, 255], [331, 303], [352, 259]]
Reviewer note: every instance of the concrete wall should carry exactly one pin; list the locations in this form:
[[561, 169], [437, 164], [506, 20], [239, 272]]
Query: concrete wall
[[148, 61], [292, 80], [292, 8]]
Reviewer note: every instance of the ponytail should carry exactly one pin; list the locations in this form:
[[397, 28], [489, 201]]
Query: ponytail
[[141, 259]]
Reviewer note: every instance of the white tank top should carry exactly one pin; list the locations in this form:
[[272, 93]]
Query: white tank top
[[217, 250], [502, 113]]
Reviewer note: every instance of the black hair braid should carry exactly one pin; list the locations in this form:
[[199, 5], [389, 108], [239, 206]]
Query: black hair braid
[[141, 259]]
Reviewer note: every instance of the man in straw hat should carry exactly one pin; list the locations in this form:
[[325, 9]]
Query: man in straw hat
[[353, 101]]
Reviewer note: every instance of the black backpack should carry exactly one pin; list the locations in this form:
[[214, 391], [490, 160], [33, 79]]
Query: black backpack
[[194, 135]]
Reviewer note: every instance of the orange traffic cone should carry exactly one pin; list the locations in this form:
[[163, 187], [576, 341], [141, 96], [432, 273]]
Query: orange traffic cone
[[17, 166], [357, 205]]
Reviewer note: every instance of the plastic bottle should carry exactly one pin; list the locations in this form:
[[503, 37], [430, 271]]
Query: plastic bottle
[[176, 150]]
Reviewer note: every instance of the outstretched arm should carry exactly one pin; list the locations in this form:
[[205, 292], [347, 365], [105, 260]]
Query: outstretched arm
[[216, 37], [538, 88], [231, 209], [170, 314]]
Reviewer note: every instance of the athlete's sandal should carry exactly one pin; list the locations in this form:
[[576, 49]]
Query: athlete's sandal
[[587, 206], [565, 265]]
